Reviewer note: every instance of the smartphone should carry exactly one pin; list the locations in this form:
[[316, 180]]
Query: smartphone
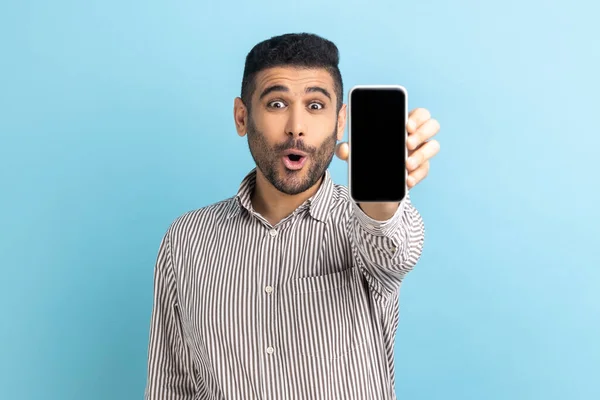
[[377, 135]]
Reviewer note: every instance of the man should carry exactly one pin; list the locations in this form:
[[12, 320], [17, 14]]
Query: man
[[288, 290]]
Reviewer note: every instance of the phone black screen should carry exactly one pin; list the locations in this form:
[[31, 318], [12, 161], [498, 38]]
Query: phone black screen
[[377, 144]]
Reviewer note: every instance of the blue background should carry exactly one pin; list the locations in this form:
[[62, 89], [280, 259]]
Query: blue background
[[116, 117]]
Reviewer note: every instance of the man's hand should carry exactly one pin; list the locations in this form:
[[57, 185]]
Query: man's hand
[[421, 148]]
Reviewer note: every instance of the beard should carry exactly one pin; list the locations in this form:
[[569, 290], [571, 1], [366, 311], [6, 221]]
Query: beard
[[268, 160]]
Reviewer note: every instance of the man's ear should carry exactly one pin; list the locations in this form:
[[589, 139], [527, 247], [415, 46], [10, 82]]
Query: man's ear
[[240, 116], [341, 121]]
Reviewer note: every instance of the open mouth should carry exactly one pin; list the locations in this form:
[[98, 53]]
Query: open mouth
[[293, 161]]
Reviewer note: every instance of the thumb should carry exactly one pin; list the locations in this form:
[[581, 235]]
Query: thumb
[[342, 150]]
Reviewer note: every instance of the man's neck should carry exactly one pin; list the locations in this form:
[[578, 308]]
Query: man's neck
[[274, 205]]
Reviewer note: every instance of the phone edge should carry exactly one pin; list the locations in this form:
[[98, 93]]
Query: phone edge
[[405, 92]]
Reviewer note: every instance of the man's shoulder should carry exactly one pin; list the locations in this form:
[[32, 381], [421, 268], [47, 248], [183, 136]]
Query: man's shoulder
[[201, 218], [340, 193], [340, 197]]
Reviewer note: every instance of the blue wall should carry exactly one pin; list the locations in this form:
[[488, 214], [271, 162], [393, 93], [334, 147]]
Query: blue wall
[[116, 117]]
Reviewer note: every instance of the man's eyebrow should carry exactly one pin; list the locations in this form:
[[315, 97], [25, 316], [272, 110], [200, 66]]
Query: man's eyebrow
[[274, 88], [282, 88], [318, 89]]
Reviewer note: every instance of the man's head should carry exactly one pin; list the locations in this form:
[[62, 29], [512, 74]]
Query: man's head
[[292, 101]]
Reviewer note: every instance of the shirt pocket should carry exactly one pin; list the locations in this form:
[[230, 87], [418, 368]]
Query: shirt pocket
[[324, 315]]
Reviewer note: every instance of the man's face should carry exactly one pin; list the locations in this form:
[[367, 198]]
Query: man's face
[[293, 111]]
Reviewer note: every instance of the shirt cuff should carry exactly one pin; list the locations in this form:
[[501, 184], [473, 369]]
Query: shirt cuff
[[380, 228]]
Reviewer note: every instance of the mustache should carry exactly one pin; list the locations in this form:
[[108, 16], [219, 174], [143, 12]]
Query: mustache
[[295, 144]]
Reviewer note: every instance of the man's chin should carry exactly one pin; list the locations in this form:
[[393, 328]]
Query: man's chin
[[291, 182], [292, 185]]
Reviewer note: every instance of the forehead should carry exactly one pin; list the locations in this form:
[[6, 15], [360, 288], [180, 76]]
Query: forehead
[[296, 79]]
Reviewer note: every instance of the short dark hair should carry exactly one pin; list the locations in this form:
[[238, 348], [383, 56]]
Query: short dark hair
[[302, 50]]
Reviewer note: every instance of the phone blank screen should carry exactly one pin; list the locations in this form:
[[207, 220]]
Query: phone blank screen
[[377, 144]]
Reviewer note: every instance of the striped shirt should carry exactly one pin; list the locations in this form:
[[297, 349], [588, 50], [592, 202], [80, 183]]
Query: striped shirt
[[305, 309]]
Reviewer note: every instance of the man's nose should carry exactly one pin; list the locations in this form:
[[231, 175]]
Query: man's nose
[[295, 124]]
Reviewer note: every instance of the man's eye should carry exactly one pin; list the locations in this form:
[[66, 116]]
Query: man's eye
[[276, 104], [315, 106]]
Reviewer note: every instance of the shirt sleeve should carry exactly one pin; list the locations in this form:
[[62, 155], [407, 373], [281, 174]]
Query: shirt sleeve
[[387, 250], [170, 369]]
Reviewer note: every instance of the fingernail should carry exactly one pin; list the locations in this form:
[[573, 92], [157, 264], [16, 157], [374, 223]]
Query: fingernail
[[411, 162], [411, 124]]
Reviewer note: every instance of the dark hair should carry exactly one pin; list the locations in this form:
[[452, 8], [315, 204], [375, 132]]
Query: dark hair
[[303, 50]]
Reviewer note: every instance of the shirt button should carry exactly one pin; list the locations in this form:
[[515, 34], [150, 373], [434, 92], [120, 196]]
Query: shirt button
[[270, 350], [369, 226], [273, 232], [268, 289], [394, 249]]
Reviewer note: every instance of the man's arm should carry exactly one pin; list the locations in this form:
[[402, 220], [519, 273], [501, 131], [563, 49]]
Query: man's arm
[[387, 238], [387, 250], [170, 368]]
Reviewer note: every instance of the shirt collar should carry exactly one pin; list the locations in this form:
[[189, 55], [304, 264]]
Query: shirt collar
[[318, 204]]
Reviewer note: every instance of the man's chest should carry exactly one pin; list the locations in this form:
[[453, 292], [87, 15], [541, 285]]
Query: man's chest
[[272, 291]]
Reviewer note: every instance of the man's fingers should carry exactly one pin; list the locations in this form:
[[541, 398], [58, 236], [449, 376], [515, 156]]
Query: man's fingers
[[418, 175], [342, 150], [425, 132], [423, 154], [416, 118]]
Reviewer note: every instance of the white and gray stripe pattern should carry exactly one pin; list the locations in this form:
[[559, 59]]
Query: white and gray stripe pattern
[[305, 309]]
